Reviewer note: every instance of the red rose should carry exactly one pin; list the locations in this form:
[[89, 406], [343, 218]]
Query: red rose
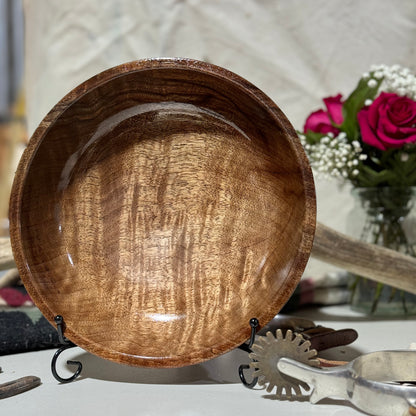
[[321, 121], [389, 122]]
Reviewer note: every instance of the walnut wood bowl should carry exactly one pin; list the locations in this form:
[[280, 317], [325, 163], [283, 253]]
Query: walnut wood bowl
[[159, 207]]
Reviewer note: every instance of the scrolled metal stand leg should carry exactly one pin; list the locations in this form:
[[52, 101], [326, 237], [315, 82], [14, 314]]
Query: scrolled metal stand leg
[[66, 345], [254, 323], [243, 377], [69, 362]]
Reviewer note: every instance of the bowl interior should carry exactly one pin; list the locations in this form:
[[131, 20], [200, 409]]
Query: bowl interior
[[158, 208]]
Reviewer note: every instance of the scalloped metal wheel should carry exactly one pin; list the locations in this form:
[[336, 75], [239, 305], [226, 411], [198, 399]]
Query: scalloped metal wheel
[[268, 350]]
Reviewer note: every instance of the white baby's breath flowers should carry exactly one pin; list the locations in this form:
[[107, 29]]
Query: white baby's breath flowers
[[378, 74], [334, 157], [396, 79], [404, 157], [339, 157]]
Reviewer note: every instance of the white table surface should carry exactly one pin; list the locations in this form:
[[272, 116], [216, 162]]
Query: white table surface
[[211, 388]]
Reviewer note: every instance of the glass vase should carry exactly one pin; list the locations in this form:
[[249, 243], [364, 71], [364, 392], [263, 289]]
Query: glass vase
[[384, 216]]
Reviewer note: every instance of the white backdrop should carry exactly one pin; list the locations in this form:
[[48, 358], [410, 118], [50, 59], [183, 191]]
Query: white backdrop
[[296, 51]]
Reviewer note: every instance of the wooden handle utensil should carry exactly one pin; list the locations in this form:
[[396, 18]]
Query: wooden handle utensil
[[12, 388]]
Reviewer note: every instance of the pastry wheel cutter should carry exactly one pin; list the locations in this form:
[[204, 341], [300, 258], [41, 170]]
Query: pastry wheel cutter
[[380, 383]]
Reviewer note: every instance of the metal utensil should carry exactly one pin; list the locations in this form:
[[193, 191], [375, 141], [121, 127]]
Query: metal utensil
[[267, 351], [379, 383]]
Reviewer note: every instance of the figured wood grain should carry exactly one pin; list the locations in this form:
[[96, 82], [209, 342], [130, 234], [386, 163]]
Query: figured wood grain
[[374, 262], [158, 208]]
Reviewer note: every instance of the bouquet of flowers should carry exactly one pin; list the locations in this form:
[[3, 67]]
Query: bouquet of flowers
[[369, 140]]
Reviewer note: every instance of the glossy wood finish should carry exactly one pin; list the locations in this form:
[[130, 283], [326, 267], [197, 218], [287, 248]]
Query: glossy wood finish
[[158, 207], [374, 262]]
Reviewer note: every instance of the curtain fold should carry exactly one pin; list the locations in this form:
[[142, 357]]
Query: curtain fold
[[11, 54]]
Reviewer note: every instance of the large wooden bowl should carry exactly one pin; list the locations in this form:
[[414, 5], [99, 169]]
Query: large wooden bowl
[[158, 207]]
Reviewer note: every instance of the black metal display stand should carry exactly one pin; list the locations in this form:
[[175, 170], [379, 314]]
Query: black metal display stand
[[254, 323], [66, 344]]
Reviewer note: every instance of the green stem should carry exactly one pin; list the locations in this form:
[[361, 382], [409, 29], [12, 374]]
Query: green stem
[[379, 289], [354, 287]]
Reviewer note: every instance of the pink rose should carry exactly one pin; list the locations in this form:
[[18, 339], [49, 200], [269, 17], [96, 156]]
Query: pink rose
[[389, 122], [321, 121]]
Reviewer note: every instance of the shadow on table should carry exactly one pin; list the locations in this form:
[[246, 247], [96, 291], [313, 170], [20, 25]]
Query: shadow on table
[[334, 402], [221, 370]]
